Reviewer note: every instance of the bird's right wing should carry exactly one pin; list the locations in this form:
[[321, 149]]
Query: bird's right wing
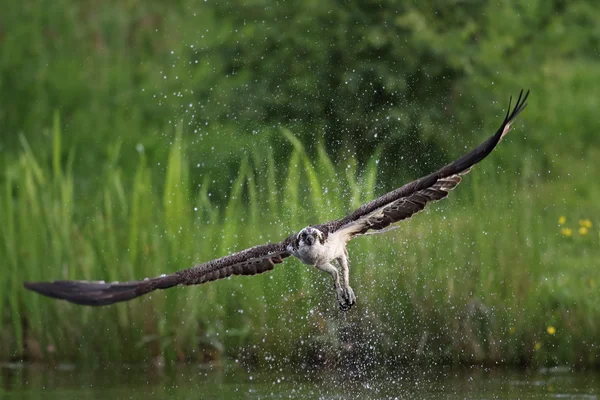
[[254, 260]]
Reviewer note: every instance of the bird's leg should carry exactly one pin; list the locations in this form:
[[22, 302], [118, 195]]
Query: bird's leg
[[348, 292], [339, 290]]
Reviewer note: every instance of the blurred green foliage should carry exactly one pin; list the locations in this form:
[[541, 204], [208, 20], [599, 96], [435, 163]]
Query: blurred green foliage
[[406, 75], [126, 124]]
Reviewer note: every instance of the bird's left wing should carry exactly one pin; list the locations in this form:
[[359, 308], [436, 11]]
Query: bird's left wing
[[411, 198], [254, 260]]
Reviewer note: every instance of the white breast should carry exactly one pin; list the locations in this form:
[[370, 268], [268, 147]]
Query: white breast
[[320, 253]]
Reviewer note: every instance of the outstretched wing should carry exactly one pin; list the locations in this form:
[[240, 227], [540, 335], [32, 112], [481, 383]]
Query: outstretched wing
[[254, 260], [411, 198]]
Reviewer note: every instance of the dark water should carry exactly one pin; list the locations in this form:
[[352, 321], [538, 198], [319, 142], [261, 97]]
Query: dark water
[[66, 382]]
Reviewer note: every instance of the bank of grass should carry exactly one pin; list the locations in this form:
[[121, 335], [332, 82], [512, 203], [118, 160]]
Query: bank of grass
[[484, 277]]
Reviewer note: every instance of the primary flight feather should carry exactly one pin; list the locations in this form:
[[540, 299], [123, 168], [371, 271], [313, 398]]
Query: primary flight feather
[[317, 245]]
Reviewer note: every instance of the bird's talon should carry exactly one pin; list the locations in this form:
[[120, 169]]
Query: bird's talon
[[346, 298]]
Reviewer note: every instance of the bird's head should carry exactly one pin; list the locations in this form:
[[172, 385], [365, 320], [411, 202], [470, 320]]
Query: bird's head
[[309, 236]]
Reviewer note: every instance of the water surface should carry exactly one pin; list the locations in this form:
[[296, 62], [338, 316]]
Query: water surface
[[67, 382]]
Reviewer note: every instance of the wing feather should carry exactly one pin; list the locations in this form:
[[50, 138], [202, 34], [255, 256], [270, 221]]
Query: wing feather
[[254, 260], [411, 198]]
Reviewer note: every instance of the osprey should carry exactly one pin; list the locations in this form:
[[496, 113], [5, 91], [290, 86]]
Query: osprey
[[319, 245]]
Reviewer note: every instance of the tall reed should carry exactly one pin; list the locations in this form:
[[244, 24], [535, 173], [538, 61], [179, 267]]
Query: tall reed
[[484, 276]]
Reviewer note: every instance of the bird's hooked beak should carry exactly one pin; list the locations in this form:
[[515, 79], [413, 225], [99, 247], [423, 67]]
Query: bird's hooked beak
[[310, 239]]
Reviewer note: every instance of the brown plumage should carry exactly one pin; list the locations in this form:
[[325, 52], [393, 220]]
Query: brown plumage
[[311, 244], [252, 261]]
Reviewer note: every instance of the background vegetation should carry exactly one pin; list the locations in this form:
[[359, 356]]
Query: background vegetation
[[142, 137]]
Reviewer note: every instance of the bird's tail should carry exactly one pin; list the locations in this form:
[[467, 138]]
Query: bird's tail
[[99, 293]]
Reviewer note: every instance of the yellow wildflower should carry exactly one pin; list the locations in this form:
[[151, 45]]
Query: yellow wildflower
[[512, 330], [592, 283], [537, 346], [562, 219], [586, 223], [551, 330], [583, 231], [566, 232]]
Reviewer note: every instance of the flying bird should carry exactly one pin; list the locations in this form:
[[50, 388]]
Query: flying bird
[[322, 246]]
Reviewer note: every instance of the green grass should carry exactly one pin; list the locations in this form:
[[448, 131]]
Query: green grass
[[477, 278]]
